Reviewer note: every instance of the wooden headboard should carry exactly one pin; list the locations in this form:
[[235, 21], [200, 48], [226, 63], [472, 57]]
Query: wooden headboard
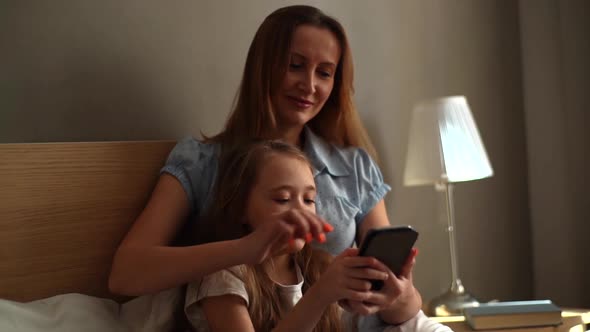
[[64, 209]]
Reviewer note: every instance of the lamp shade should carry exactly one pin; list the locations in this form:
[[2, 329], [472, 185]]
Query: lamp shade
[[444, 144]]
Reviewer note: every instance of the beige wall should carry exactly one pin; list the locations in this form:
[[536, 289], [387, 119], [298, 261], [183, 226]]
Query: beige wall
[[112, 70]]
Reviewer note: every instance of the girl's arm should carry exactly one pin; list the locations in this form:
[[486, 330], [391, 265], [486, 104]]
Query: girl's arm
[[227, 313], [306, 313], [345, 278]]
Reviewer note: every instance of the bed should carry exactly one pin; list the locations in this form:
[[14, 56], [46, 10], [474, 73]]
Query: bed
[[64, 208]]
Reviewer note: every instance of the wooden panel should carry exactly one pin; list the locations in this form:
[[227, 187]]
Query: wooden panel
[[64, 208]]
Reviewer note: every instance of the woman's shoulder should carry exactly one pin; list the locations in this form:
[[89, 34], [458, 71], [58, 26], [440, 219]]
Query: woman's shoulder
[[356, 159], [339, 160], [191, 153], [322, 145], [194, 164], [192, 147], [353, 154]]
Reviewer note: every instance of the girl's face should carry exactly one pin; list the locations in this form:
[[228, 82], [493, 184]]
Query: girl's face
[[309, 79], [283, 183]]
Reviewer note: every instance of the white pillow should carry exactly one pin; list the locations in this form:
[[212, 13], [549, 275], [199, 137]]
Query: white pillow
[[152, 312], [77, 312]]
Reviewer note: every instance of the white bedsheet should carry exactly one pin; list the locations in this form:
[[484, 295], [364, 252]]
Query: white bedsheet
[[77, 312]]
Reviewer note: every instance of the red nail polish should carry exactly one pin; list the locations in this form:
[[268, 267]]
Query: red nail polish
[[328, 227], [322, 238]]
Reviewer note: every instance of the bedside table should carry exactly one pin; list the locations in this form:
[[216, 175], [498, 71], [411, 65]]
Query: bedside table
[[574, 320]]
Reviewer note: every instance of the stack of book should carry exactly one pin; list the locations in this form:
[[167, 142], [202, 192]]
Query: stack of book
[[499, 315]]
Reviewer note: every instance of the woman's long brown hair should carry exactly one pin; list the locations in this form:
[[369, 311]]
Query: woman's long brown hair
[[238, 174], [266, 65]]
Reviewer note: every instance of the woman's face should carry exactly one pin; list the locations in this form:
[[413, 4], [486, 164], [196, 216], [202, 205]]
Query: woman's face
[[309, 79], [283, 183]]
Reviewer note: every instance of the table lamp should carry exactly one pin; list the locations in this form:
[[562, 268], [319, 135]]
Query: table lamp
[[444, 147]]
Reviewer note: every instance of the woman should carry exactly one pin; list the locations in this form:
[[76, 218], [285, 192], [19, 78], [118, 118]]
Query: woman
[[297, 87]]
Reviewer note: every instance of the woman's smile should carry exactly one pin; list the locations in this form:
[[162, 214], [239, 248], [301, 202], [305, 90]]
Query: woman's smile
[[301, 102]]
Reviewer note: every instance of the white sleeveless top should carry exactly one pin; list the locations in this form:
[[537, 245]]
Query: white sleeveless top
[[229, 281]]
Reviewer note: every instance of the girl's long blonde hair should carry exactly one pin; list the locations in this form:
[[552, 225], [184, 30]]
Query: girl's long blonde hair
[[268, 58], [237, 176]]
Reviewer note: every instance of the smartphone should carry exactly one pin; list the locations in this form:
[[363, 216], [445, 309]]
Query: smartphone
[[391, 246]]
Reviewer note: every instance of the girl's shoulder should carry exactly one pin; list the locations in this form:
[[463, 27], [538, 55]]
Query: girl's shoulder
[[222, 282]]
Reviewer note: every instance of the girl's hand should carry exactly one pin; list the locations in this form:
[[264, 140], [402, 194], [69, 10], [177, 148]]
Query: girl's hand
[[396, 291], [282, 232], [347, 277]]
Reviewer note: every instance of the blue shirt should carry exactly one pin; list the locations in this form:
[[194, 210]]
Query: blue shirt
[[349, 183]]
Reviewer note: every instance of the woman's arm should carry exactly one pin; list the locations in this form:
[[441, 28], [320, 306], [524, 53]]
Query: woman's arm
[[376, 218], [393, 309], [145, 263]]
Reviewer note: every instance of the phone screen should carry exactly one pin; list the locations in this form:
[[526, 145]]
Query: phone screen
[[390, 245]]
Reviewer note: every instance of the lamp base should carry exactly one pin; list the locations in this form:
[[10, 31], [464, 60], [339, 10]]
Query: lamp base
[[451, 303]]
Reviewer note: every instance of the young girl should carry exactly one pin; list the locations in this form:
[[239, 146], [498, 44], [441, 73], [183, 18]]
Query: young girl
[[297, 288]]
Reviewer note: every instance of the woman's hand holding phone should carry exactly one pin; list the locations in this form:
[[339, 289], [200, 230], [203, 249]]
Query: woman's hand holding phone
[[347, 277], [393, 247], [390, 245], [394, 289]]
